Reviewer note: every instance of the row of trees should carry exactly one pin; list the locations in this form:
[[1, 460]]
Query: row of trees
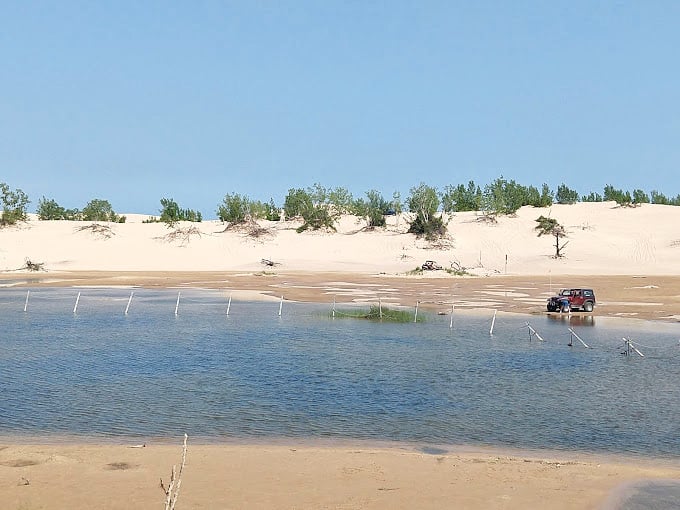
[[320, 207], [95, 210]]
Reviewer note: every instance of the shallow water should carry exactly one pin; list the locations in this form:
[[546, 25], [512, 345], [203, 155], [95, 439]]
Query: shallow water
[[253, 374]]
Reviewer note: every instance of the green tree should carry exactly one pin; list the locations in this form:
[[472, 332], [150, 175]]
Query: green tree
[[550, 226], [546, 199], [566, 195], [640, 197], [659, 198], [503, 197], [592, 197], [314, 205], [100, 210], [14, 204], [234, 208], [172, 213], [49, 209], [272, 212], [296, 201], [373, 209], [424, 203], [396, 203], [461, 198], [341, 200], [621, 197], [530, 196]]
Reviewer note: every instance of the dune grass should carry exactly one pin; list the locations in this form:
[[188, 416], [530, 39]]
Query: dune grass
[[378, 314]]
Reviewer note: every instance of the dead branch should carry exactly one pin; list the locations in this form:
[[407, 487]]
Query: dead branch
[[488, 218], [249, 228], [181, 234], [172, 490], [32, 266], [97, 229]]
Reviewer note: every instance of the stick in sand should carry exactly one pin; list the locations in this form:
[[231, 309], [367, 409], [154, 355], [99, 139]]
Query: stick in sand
[[172, 490]]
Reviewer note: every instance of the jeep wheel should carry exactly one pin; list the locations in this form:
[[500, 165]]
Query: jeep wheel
[[588, 306], [551, 308]]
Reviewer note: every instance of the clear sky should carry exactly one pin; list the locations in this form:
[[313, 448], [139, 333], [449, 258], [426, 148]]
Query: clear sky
[[132, 101]]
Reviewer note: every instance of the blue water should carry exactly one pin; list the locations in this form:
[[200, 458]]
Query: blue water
[[253, 374]]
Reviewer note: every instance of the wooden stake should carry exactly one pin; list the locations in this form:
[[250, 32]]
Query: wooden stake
[[28, 293], [229, 304], [177, 304], [493, 322], [415, 316], [578, 338], [129, 301], [280, 306], [532, 331], [75, 307]]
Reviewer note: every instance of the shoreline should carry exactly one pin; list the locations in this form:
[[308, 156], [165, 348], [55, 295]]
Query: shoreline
[[652, 298], [339, 443]]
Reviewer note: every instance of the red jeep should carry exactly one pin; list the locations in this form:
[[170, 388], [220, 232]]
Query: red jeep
[[572, 299]]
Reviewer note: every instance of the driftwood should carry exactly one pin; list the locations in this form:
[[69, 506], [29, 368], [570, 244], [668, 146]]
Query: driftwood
[[172, 490], [183, 235], [33, 266], [249, 228], [99, 230]]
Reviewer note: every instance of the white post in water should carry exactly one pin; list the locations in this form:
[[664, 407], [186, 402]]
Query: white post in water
[[573, 333], [532, 331], [451, 321], [334, 307], [280, 306], [493, 322], [380, 307], [415, 316], [177, 304], [229, 304], [75, 307], [630, 348], [28, 293], [127, 308]]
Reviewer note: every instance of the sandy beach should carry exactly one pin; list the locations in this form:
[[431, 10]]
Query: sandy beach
[[112, 477], [628, 255]]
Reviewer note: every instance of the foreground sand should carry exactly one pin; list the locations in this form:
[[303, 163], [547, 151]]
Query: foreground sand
[[115, 477]]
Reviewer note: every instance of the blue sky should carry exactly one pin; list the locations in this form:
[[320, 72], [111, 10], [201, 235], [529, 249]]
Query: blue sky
[[135, 101]]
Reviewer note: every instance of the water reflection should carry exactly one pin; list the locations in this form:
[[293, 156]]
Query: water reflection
[[572, 319]]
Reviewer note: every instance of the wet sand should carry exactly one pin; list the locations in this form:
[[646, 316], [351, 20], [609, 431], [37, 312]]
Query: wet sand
[[639, 297]]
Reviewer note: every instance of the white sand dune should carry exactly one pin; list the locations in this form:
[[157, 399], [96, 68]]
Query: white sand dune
[[604, 239]]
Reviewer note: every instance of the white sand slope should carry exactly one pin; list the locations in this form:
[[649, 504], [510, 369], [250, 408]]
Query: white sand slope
[[603, 239]]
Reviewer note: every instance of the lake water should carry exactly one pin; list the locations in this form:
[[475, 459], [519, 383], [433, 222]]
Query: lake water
[[252, 374]]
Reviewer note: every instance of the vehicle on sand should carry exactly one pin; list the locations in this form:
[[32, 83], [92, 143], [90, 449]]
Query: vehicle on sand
[[431, 265], [572, 299]]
